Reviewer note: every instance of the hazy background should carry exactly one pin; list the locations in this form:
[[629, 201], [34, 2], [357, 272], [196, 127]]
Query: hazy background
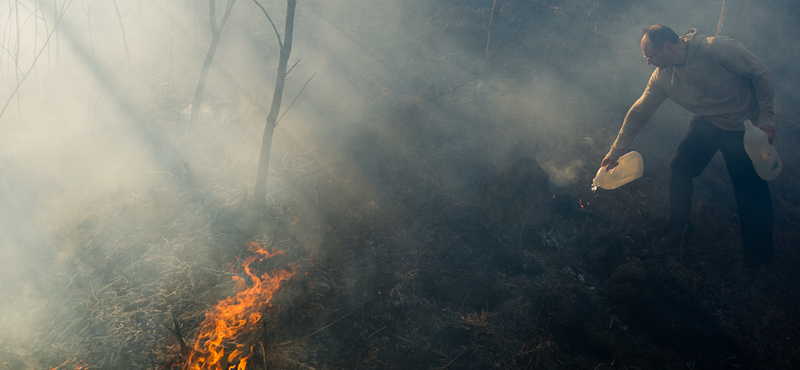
[[107, 192]]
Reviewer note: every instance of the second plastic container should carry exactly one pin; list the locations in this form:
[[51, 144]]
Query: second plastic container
[[765, 157], [629, 167]]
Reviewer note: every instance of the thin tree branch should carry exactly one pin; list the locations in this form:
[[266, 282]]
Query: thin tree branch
[[326, 326], [216, 36], [277, 34], [489, 37], [212, 15], [35, 59], [228, 9], [124, 38], [291, 68], [295, 99], [721, 19]]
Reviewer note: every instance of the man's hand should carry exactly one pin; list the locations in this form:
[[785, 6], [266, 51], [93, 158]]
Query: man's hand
[[609, 163], [770, 130]]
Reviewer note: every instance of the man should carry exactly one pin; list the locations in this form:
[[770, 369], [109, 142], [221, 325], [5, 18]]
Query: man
[[724, 84]]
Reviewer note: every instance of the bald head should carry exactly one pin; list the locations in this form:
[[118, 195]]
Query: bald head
[[662, 47], [658, 35]]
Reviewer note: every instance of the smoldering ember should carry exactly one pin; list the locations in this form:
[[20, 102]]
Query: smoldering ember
[[334, 184]]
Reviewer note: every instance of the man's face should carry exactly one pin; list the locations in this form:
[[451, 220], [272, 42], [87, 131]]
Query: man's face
[[654, 56]]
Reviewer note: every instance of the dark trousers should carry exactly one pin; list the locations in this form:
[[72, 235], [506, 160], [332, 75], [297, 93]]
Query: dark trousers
[[752, 194]]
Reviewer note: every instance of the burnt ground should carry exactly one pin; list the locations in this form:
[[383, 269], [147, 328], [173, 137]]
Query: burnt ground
[[502, 270], [505, 269], [510, 273], [423, 244]]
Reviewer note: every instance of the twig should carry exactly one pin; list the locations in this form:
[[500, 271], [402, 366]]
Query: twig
[[295, 99], [177, 332], [326, 326], [580, 270], [427, 345], [277, 34], [263, 340], [264, 355], [291, 68], [376, 332], [465, 299], [522, 228], [453, 360], [124, 208], [35, 59], [295, 362], [122, 28], [488, 37]]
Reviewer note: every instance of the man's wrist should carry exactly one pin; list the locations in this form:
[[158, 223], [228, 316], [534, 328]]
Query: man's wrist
[[765, 122], [614, 154], [770, 130]]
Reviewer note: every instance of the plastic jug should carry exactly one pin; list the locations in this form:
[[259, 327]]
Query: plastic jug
[[765, 157], [629, 167]]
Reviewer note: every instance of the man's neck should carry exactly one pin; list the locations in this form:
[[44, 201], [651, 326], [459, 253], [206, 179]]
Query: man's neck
[[682, 53]]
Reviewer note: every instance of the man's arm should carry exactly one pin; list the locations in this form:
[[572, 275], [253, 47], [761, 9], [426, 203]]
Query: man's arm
[[638, 115], [736, 58]]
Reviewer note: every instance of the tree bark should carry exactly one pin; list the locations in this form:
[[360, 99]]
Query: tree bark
[[260, 193]]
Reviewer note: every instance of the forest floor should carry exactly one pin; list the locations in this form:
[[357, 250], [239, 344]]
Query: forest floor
[[422, 245], [510, 272]]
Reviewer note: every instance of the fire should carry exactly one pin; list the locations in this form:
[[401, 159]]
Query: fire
[[215, 347], [79, 364]]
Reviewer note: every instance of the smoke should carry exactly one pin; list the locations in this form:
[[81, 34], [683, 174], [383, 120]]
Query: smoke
[[96, 148]]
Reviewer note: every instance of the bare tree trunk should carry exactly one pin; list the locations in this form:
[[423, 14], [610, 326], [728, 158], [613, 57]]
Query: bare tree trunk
[[216, 34], [260, 192]]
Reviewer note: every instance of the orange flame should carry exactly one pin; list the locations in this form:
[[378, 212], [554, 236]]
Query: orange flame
[[79, 364], [215, 347]]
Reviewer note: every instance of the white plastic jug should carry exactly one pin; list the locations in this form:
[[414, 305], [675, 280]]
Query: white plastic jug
[[765, 157], [629, 167]]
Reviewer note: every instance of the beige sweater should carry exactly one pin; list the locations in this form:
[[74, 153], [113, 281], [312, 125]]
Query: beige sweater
[[720, 81]]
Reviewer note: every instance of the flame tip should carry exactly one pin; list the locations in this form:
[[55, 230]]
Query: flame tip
[[236, 314]]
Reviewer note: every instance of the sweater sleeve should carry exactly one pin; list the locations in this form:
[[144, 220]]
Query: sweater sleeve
[[638, 115], [736, 58]]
